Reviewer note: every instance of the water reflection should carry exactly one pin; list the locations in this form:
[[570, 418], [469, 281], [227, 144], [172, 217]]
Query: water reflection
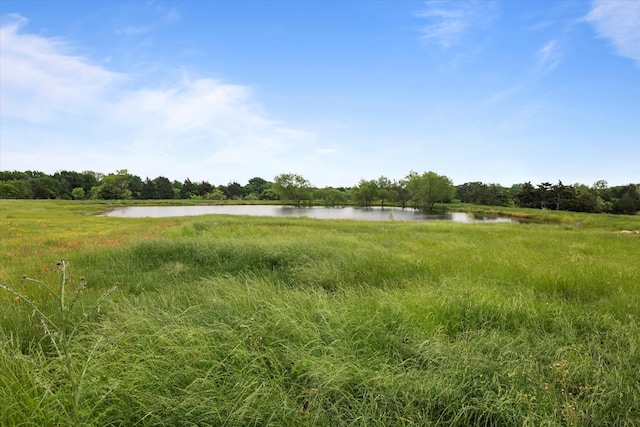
[[318, 212]]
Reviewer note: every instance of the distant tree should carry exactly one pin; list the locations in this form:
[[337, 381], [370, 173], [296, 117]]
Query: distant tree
[[114, 186], [386, 191], [216, 194], [233, 190], [402, 192], [628, 201], [544, 195], [69, 180], [331, 196], [188, 189], [177, 189], [562, 196], [268, 194], [204, 188], [585, 199], [256, 186], [90, 180], [251, 196], [77, 193], [365, 193], [148, 191], [465, 192], [14, 189], [527, 197], [163, 188], [291, 187], [135, 186], [429, 188], [42, 187], [12, 176], [482, 194], [599, 186]]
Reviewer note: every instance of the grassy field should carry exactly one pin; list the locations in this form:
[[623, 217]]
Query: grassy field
[[245, 321]]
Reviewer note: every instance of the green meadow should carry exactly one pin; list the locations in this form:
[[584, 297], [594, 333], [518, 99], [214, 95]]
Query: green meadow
[[250, 321]]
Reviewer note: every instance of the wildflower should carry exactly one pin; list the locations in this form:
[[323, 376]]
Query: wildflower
[[16, 298]]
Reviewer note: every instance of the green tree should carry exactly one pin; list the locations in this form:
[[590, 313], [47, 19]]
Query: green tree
[[204, 188], [365, 193], [163, 188], [268, 194], [114, 186], [585, 200], [402, 192], [216, 194], [386, 192], [77, 193], [291, 187], [256, 186], [628, 201], [429, 188], [42, 187], [148, 189], [527, 197], [563, 196], [13, 189], [233, 190], [331, 196], [188, 189]]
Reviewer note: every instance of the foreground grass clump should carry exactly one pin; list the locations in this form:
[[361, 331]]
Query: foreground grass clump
[[294, 322]]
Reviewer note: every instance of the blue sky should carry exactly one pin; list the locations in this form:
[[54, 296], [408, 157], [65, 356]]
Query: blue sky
[[493, 91]]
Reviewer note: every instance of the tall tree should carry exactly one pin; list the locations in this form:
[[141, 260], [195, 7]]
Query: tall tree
[[115, 186], [331, 196], [163, 188], [233, 190], [148, 191], [402, 192], [365, 193], [256, 186], [204, 188], [188, 189], [430, 188], [291, 187], [628, 201], [13, 189], [386, 192], [42, 187], [527, 197]]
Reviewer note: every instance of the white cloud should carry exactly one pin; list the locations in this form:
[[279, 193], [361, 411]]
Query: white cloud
[[548, 56], [618, 21], [204, 114], [449, 21], [60, 111], [132, 30], [40, 79]]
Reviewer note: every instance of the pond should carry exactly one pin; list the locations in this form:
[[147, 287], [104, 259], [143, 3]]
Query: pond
[[317, 212]]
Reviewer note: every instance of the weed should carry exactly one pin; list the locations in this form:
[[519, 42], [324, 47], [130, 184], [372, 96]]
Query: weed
[[68, 374]]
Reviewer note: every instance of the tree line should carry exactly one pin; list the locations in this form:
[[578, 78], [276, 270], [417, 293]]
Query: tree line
[[419, 191]]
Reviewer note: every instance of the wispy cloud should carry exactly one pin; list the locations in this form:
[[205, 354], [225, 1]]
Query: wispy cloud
[[618, 21], [449, 21], [548, 56], [132, 30], [41, 79], [55, 101]]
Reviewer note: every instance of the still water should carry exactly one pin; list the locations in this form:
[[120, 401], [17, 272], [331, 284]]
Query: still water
[[318, 212]]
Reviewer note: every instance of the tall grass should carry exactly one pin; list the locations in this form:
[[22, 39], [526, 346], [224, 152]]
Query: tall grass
[[232, 321]]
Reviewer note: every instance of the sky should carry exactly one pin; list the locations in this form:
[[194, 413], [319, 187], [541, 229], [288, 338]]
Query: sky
[[502, 92]]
